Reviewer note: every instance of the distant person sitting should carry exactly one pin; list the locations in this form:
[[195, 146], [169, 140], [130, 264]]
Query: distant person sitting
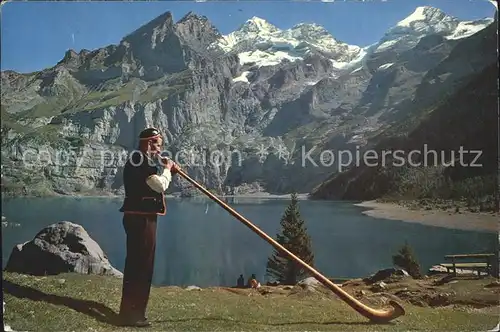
[[241, 282], [252, 282]]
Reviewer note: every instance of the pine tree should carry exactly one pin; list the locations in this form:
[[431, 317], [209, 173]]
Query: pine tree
[[406, 259], [295, 239]]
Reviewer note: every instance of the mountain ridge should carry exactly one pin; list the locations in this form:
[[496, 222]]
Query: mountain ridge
[[205, 99], [167, 18], [465, 116]]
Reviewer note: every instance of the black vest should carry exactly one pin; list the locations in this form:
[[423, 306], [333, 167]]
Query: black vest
[[139, 197]]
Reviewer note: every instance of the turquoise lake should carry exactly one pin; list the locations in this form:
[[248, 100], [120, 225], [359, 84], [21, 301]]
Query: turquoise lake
[[199, 243]]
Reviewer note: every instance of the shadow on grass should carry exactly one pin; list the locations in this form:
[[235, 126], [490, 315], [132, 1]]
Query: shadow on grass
[[106, 315], [93, 309], [267, 324]]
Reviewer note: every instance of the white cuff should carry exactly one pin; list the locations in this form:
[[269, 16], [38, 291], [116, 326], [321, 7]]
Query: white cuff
[[160, 183]]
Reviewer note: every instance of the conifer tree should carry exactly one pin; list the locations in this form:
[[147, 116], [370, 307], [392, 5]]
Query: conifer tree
[[406, 259], [294, 238]]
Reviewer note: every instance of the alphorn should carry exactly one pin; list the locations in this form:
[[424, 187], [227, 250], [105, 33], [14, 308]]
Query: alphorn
[[374, 315]]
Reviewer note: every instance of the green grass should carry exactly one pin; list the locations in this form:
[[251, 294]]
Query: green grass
[[9, 122], [90, 303], [50, 134], [102, 99], [70, 98], [161, 92]]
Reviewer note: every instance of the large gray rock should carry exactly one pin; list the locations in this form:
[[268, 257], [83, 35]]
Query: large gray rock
[[60, 248], [387, 275], [311, 286], [310, 282]]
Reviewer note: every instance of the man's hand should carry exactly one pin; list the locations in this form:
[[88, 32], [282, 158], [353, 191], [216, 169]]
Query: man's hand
[[169, 164]]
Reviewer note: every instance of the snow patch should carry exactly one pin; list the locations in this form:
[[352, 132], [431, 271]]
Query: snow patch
[[361, 56], [386, 44], [242, 78], [385, 66], [262, 59], [425, 20], [468, 28], [357, 69], [261, 23], [313, 82], [356, 139], [339, 64], [417, 15], [358, 61]]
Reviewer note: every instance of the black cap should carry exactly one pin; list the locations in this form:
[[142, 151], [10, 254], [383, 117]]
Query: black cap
[[149, 133]]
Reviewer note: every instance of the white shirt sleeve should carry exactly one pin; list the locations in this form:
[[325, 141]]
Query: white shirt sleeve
[[160, 183]]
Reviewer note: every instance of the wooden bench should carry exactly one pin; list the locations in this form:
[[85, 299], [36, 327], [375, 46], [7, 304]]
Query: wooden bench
[[478, 266]]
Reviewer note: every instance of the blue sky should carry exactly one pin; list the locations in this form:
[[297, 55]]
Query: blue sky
[[35, 35]]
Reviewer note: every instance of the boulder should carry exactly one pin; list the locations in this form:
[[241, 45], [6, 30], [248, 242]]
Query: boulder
[[60, 248], [310, 283], [387, 275], [378, 287]]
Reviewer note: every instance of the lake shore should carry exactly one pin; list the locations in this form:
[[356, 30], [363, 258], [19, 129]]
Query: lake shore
[[471, 221], [257, 195]]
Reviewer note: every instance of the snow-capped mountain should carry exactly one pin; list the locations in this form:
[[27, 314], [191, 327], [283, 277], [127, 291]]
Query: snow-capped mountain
[[426, 21], [261, 43], [258, 41], [259, 85]]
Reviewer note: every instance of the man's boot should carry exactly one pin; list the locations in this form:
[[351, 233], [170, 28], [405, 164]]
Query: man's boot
[[134, 321]]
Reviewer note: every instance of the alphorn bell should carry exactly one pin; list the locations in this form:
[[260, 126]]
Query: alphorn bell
[[374, 315]]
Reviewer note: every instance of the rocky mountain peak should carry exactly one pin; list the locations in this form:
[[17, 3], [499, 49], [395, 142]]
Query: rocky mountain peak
[[258, 25], [71, 58], [70, 54], [425, 14], [425, 21], [197, 31], [193, 16], [310, 28], [261, 43], [311, 32], [158, 27], [277, 88]]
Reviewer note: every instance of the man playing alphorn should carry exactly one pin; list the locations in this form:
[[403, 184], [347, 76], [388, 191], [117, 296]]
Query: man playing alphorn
[[145, 183]]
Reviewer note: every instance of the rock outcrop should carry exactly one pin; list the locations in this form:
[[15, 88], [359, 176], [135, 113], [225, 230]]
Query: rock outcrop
[[387, 275], [60, 248], [310, 286]]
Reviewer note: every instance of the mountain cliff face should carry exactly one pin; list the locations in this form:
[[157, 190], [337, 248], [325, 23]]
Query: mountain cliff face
[[249, 111], [456, 140]]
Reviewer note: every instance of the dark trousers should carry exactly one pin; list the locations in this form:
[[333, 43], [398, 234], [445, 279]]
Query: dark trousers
[[139, 264]]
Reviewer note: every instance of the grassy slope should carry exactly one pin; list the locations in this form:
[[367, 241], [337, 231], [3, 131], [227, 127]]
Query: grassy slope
[[89, 303]]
